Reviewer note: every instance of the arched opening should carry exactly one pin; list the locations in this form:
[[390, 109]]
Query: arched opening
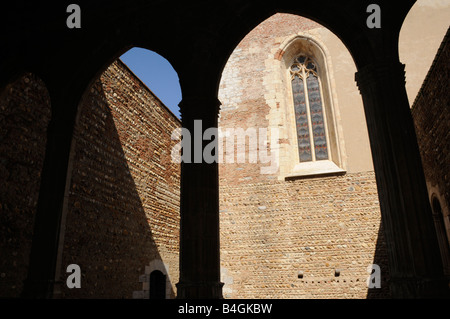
[[78, 50], [25, 112], [157, 73], [123, 188], [420, 39], [273, 227], [423, 47], [157, 285]]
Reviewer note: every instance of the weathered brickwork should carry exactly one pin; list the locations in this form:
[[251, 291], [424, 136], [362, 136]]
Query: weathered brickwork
[[271, 231], [124, 193], [243, 91], [272, 228], [309, 237], [24, 117], [432, 121]]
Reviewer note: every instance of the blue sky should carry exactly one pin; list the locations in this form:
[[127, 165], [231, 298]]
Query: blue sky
[[157, 73]]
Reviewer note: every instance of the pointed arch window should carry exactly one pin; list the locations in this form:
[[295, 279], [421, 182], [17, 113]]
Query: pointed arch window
[[310, 118]]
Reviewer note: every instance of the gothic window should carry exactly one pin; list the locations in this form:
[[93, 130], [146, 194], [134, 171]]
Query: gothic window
[[310, 117]]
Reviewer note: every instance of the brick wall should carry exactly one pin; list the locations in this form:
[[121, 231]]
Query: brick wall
[[122, 217], [432, 119], [124, 191], [243, 89], [431, 116], [272, 228], [24, 116]]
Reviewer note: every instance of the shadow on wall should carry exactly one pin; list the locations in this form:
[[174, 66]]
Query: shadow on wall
[[111, 211], [107, 228], [24, 117], [380, 289]]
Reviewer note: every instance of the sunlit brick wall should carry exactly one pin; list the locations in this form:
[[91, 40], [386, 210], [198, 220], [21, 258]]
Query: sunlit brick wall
[[123, 207], [274, 228]]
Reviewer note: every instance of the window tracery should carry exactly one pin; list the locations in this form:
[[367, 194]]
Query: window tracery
[[309, 110]]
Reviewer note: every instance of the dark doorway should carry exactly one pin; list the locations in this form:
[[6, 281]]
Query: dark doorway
[[157, 285], [441, 232]]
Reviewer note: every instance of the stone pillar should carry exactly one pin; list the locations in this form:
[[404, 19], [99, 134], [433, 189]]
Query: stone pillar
[[40, 280], [415, 264], [199, 207]]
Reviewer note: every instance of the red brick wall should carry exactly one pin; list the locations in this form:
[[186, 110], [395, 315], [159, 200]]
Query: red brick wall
[[123, 202], [431, 114], [24, 116], [271, 229], [243, 86], [124, 193]]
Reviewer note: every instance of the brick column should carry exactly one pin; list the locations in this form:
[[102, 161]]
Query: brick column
[[199, 209], [415, 265]]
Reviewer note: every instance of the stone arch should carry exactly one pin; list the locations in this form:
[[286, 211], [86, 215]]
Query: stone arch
[[380, 78], [382, 92], [267, 58]]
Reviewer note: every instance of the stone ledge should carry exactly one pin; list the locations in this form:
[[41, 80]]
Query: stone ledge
[[313, 169]]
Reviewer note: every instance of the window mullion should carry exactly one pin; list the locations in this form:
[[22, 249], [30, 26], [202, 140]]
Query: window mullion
[[325, 120], [308, 111]]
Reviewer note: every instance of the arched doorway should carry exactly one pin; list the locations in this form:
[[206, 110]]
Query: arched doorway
[[157, 285], [439, 223]]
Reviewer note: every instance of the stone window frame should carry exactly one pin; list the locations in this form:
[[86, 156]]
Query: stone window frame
[[304, 72], [290, 168]]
